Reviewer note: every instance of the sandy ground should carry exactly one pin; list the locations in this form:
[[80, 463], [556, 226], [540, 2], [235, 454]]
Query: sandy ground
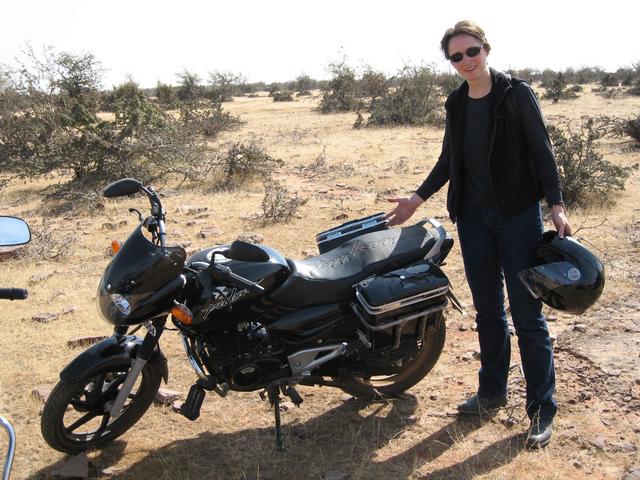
[[333, 435]]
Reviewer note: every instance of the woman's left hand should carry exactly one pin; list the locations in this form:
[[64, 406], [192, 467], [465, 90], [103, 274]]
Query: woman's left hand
[[560, 221]]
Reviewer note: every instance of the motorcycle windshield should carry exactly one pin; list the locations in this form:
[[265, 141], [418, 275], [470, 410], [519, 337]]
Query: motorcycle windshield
[[138, 270], [545, 278]]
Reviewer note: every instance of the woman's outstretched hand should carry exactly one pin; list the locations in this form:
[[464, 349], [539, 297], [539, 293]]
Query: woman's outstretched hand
[[405, 208], [560, 221]]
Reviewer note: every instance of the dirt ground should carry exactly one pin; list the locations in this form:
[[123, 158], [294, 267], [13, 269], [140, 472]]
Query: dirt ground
[[332, 435]]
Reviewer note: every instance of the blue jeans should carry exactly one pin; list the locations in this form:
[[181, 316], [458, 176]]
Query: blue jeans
[[495, 248]]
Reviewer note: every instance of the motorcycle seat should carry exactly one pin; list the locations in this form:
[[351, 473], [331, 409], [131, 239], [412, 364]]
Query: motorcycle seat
[[329, 277]]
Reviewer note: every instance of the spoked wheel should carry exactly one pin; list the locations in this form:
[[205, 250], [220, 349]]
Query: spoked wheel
[[76, 416], [403, 374]]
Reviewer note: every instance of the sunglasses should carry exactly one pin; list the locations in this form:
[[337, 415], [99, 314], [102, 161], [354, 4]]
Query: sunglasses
[[469, 52]]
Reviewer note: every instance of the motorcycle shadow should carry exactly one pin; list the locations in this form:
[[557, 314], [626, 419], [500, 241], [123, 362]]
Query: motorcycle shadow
[[345, 439]]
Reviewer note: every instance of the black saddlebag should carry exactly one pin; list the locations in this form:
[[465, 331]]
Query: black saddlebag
[[330, 239], [401, 304]]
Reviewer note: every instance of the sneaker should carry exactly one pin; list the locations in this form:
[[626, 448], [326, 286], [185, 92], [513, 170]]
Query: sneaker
[[539, 434], [477, 405]]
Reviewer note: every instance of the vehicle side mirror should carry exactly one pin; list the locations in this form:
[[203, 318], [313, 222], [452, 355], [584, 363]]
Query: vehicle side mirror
[[13, 231], [122, 187]]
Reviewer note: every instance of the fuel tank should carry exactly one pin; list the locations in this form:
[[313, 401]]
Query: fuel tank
[[258, 263]]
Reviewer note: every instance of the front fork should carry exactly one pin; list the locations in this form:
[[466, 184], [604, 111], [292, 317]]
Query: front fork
[[149, 344]]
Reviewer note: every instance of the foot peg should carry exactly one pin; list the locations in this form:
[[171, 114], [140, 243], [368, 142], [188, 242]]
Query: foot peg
[[191, 407]]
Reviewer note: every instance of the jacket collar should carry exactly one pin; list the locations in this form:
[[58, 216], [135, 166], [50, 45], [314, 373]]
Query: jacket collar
[[500, 85]]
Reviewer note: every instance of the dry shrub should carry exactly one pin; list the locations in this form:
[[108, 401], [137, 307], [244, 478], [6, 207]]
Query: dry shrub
[[359, 123], [243, 162], [317, 168], [630, 127], [279, 204], [49, 242], [631, 233], [586, 176], [607, 92], [321, 168]]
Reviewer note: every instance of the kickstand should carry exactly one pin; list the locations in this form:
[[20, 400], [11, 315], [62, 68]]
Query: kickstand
[[274, 398]]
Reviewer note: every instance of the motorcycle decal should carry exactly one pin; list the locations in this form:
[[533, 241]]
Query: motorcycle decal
[[121, 304], [224, 298]]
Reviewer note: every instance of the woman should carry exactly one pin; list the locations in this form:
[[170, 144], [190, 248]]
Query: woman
[[497, 158]]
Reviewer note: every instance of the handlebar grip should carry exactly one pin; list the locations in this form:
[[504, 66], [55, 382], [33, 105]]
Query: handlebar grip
[[13, 293]]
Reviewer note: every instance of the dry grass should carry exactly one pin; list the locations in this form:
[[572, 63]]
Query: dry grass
[[412, 437]]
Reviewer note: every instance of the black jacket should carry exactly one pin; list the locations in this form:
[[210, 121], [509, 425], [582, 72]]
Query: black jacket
[[522, 167]]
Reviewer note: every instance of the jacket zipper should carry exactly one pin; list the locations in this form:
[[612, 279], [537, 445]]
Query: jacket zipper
[[491, 144]]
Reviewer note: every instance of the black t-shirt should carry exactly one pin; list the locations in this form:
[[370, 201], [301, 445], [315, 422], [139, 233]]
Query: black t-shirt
[[477, 184]]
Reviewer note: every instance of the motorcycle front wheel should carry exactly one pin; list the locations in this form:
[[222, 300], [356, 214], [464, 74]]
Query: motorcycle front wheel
[[408, 373], [76, 416]]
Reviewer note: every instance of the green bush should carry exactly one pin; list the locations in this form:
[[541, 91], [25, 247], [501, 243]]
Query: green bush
[[372, 85], [166, 96], [304, 84], [609, 80], [206, 118], [189, 87], [339, 93], [631, 127], [48, 125], [414, 99], [448, 83], [224, 85], [586, 176], [557, 89], [283, 96]]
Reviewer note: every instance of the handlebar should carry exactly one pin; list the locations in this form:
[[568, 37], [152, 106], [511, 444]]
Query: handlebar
[[13, 293], [223, 274]]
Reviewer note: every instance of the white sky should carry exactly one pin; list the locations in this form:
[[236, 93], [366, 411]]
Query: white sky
[[280, 39]]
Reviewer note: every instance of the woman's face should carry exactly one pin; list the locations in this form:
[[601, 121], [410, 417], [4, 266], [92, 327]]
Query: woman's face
[[469, 68]]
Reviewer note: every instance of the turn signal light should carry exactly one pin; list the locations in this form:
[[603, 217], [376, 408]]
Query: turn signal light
[[182, 314], [115, 246]]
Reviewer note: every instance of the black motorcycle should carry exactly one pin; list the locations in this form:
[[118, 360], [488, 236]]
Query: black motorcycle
[[366, 316]]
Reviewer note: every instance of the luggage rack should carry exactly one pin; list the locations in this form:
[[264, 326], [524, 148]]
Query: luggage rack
[[330, 239]]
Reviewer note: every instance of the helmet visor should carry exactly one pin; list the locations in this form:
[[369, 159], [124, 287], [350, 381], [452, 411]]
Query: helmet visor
[[541, 280]]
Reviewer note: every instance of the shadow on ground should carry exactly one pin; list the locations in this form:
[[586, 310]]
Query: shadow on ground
[[344, 439]]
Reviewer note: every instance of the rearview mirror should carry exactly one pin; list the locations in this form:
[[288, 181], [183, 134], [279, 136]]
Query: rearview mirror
[[122, 187], [13, 231]]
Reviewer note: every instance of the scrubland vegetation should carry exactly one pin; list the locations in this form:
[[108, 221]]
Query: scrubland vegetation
[[278, 163]]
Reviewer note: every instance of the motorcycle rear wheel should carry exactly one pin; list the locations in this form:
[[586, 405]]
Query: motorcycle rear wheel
[[76, 416], [411, 371]]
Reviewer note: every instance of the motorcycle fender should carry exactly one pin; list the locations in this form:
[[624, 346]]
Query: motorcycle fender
[[110, 352]]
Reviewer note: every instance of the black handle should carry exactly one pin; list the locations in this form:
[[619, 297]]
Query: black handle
[[223, 274], [13, 293]]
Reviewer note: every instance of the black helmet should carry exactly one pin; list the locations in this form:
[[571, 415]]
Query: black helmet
[[569, 277]]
